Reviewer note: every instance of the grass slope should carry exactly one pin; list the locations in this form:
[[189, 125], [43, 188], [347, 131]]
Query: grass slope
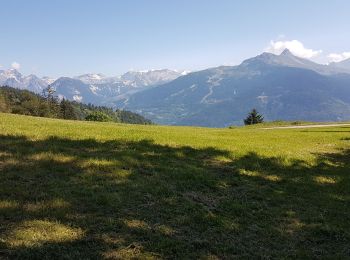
[[87, 190]]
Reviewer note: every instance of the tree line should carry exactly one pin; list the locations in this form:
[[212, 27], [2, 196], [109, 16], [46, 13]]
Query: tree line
[[24, 102]]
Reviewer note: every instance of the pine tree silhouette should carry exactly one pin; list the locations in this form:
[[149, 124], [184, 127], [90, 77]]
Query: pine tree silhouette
[[253, 118]]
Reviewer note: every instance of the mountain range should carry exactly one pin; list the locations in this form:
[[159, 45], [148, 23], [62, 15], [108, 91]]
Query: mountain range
[[91, 88], [281, 87]]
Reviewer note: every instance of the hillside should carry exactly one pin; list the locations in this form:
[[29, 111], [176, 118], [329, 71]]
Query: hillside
[[24, 102], [86, 190]]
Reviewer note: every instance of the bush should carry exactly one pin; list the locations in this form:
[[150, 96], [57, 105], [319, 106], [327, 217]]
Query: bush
[[98, 116]]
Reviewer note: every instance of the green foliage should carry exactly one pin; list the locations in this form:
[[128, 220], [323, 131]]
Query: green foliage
[[118, 116], [98, 116], [67, 110], [127, 116], [253, 118], [78, 190], [27, 103]]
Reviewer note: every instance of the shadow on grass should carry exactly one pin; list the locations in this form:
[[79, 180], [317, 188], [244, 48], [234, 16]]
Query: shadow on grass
[[86, 199]]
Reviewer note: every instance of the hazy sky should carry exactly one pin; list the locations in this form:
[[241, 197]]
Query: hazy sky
[[71, 37]]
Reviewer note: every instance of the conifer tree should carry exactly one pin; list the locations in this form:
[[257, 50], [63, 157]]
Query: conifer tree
[[254, 118]]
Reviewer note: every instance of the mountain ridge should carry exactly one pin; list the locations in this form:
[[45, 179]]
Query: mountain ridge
[[280, 86]]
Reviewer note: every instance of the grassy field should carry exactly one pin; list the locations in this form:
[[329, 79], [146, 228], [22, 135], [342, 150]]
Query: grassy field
[[86, 190]]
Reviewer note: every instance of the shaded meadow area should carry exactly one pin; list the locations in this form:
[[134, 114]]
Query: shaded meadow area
[[88, 199]]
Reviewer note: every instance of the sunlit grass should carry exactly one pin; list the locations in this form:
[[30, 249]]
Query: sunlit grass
[[37, 232], [8, 204], [84, 190], [325, 180]]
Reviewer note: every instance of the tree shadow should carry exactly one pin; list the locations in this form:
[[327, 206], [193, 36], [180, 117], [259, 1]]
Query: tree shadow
[[63, 198]]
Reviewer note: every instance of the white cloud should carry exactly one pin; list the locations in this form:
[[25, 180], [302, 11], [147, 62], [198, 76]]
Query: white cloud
[[337, 57], [295, 46], [15, 65]]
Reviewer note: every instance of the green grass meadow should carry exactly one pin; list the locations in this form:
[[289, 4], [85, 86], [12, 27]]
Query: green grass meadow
[[85, 190]]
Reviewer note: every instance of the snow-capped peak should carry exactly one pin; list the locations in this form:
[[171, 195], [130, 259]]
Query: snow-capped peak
[[48, 80], [91, 78], [150, 77], [286, 52], [13, 78]]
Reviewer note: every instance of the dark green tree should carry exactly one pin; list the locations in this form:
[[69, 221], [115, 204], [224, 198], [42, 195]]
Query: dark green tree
[[53, 103], [254, 118], [67, 110]]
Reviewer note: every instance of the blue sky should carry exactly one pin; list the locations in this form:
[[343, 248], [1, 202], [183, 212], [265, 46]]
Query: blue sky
[[71, 37]]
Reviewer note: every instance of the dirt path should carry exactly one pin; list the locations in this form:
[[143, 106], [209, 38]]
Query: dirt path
[[304, 126]]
